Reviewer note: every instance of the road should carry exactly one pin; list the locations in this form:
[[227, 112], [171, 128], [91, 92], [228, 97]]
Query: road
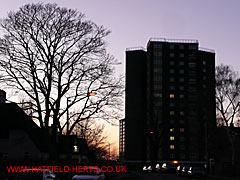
[[158, 176], [153, 176]]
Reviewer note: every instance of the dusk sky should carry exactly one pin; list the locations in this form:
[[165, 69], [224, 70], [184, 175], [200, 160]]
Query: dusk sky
[[214, 23]]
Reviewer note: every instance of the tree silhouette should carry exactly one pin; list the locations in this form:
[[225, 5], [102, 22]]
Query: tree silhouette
[[94, 135], [53, 55], [228, 101]]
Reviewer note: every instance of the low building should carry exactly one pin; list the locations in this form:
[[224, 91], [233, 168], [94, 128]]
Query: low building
[[222, 158], [22, 139]]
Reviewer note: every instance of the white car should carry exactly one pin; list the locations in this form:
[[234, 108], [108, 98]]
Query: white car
[[90, 173], [35, 174]]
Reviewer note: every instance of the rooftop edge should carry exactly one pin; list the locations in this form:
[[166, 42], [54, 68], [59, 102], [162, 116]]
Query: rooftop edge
[[172, 40], [136, 49], [206, 50]]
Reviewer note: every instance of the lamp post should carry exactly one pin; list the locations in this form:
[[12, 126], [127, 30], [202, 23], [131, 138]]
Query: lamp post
[[109, 151], [67, 116]]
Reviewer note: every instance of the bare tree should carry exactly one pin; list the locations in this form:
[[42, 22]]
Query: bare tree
[[113, 151], [94, 135], [57, 58], [228, 101]]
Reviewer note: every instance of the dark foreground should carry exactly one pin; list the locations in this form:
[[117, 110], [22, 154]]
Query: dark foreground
[[160, 176]]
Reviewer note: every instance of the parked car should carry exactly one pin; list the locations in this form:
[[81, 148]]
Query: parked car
[[196, 171], [158, 168], [185, 170], [35, 174], [147, 168], [144, 168], [168, 167], [91, 173], [179, 169]]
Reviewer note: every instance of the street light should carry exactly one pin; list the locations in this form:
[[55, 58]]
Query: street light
[[92, 94], [109, 151], [89, 94], [67, 115]]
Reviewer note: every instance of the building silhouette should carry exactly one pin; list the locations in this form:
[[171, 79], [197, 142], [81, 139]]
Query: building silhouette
[[22, 140], [170, 101]]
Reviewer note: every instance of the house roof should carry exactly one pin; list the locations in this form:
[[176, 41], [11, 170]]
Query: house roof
[[12, 117]]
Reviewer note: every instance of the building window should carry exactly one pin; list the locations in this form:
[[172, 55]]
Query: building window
[[157, 45], [181, 46], [181, 71], [182, 147], [181, 80], [172, 112], [181, 63], [158, 95], [157, 112], [192, 80], [171, 146], [204, 70], [157, 78], [182, 156], [181, 121], [181, 138], [171, 54], [181, 96], [171, 138], [171, 87], [192, 64], [172, 46], [171, 71], [172, 156], [194, 156], [193, 47], [192, 57], [157, 87], [181, 113], [157, 53], [204, 62], [171, 63], [172, 79], [171, 121], [171, 129], [157, 61], [181, 130], [158, 103], [171, 96], [181, 55], [157, 70], [171, 104], [181, 88], [75, 148]]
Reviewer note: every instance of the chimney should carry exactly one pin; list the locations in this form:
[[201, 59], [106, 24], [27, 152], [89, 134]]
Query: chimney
[[2, 96]]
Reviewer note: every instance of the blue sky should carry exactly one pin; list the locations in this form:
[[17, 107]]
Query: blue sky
[[215, 23]]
